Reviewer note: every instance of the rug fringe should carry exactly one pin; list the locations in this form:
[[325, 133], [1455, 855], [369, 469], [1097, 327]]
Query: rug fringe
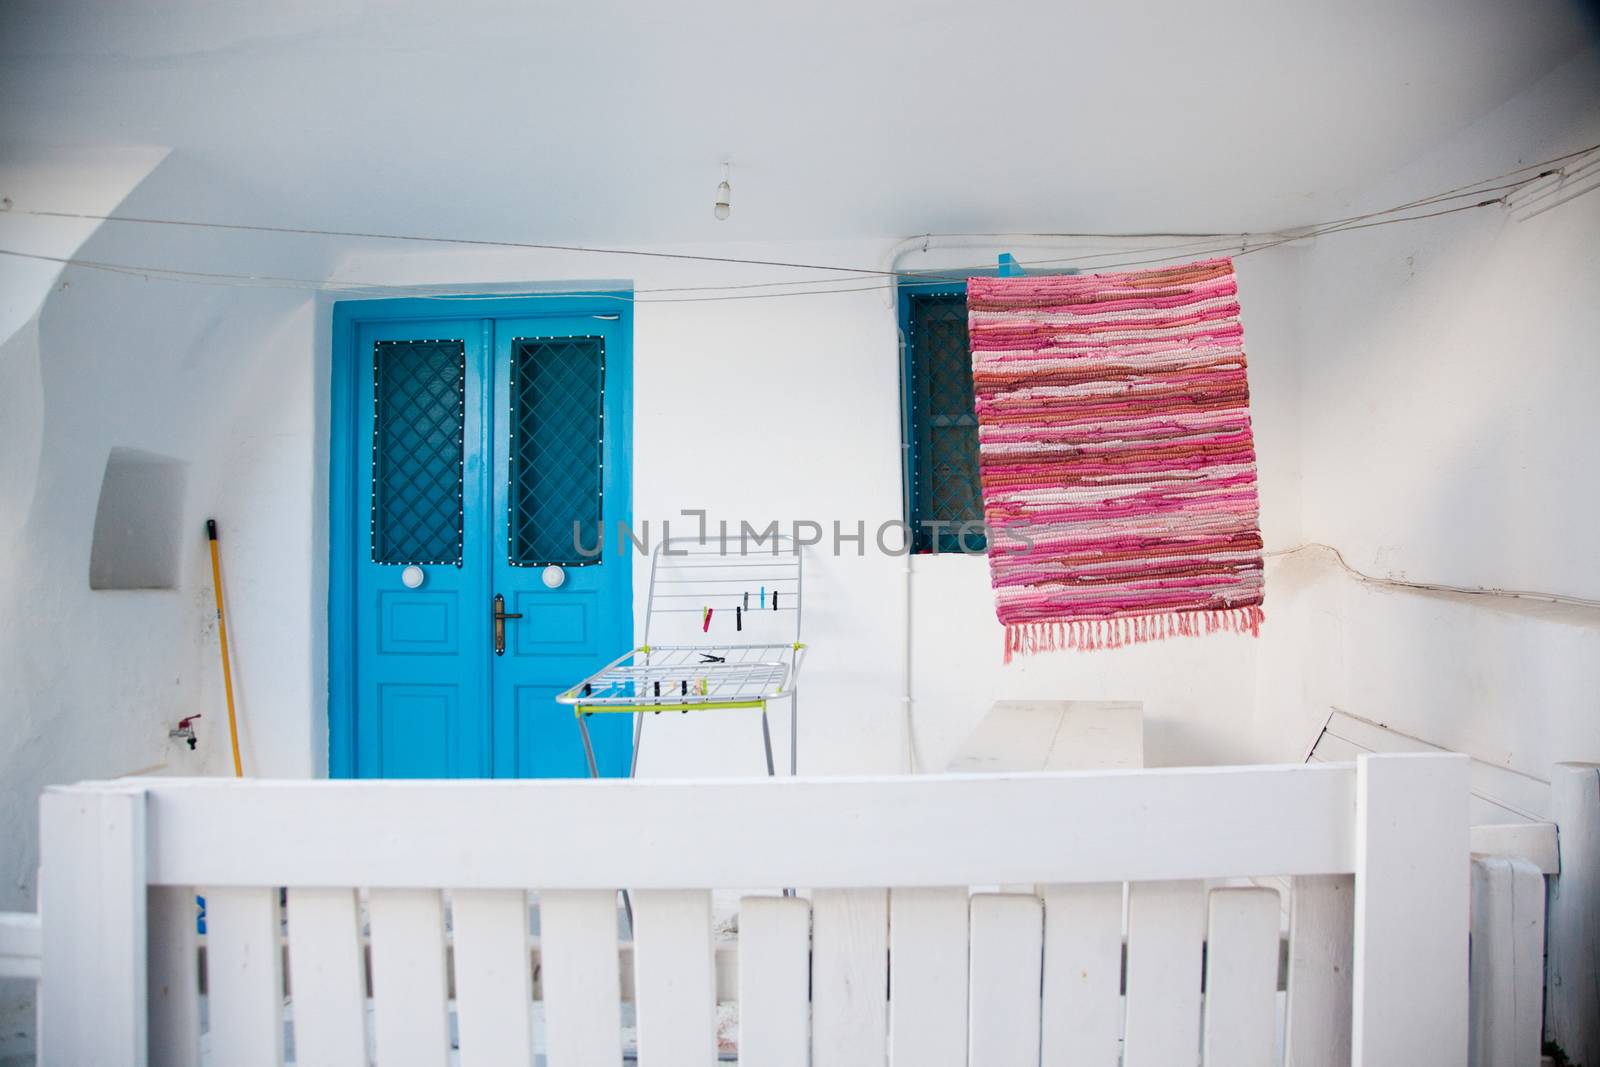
[[1031, 638]]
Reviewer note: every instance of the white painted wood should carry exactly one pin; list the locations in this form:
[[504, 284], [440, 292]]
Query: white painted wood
[[174, 976], [20, 946], [1082, 1010], [410, 995], [1003, 990], [244, 976], [677, 987], [1166, 931], [928, 977], [1573, 1013], [1507, 963], [1146, 825], [494, 978], [1499, 794], [1055, 735], [578, 953], [328, 987], [774, 981], [1241, 996], [92, 910], [849, 977], [1411, 911], [1321, 960], [1534, 842]]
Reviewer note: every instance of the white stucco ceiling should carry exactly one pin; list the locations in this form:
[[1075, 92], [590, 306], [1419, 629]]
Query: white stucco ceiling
[[606, 119]]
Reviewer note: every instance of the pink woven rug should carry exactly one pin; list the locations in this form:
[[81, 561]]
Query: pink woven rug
[[1118, 468]]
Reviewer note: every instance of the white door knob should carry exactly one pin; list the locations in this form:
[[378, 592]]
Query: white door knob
[[411, 577], [554, 576]]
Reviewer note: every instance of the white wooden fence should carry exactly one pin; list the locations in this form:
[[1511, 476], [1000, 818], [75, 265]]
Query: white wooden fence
[[885, 957]]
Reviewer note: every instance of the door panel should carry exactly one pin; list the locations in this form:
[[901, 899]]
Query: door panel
[[421, 680], [472, 447], [564, 461]]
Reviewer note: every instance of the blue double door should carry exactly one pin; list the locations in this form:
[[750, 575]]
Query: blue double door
[[478, 445]]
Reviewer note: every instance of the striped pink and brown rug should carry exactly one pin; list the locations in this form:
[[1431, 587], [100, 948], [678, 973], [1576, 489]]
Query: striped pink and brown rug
[[1118, 468]]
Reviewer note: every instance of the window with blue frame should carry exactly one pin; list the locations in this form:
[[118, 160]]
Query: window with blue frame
[[939, 424]]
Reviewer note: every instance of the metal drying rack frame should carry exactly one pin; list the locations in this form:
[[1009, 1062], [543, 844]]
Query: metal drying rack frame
[[700, 573]]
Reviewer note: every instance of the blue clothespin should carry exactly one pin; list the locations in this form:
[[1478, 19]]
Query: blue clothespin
[[1008, 266]]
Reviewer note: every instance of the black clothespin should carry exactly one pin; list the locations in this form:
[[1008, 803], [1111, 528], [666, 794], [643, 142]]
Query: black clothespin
[[658, 688], [588, 690], [685, 690], [774, 600], [747, 600], [738, 616], [706, 657]]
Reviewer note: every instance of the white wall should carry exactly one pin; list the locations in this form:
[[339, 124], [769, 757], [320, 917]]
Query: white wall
[[1450, 381], [1435, 424], [789, 409], [221, 379]]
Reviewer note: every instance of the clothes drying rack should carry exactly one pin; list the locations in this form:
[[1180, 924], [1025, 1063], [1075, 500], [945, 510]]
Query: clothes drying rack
[[733, 585]]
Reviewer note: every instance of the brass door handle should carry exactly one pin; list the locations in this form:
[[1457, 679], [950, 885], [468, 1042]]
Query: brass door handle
[[500, 616]]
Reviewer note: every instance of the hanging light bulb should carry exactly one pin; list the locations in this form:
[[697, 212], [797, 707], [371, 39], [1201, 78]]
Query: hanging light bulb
[[724, 195]]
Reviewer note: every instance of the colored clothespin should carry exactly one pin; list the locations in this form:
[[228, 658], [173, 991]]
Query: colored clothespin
[[704, 687], [1008, 266], [705, 625], [763, 596]]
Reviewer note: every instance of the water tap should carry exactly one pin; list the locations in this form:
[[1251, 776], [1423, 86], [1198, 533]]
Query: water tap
[[185, 730]]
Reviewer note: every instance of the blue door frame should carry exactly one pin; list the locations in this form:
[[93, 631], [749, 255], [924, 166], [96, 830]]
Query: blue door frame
[[349, 529]]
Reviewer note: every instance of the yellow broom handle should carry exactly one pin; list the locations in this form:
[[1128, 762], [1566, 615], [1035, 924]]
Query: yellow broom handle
[[222, 636]]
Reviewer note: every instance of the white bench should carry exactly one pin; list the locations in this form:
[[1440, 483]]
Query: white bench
[[1055, 735]]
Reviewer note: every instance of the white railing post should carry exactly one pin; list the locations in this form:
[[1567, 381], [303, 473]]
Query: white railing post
[[1412, 911], [1572, 1008], [92, 1002]]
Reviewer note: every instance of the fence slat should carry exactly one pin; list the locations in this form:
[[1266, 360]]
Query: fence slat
[[174, 981], [92, 913], [1007, 944], [1507, 962], [579, 972], [494, 977], [1082, 1009], [411, 1021], [928, 977], [1241, 1012], [328, 989], [1166, 926], [1412, 909], [849, 977], [774, 981], [244, 976], [674, 980], [1321, 943]]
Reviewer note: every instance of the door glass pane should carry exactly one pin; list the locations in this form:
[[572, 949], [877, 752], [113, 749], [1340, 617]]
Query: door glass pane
[[418, 406], [557, 429]]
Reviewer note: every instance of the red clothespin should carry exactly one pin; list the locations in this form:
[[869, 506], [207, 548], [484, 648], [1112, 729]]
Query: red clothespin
[[705, 626]]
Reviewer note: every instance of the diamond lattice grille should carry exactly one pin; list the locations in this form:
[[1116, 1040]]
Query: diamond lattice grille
[[944, 426], [557, 391], [418, 413]]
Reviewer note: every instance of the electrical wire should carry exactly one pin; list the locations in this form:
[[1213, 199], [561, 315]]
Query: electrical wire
[[1238, 245], [1433, 587]]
